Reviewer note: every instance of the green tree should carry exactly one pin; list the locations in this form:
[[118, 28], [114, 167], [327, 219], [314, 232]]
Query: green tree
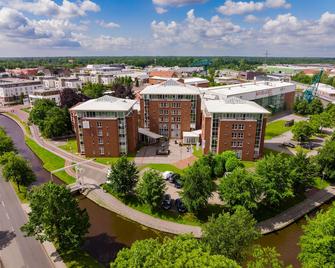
[[17, 169], [232, 163], [151, 188], [40, 110], [123, 176], [231, 235], [326, 160], [56, 217], [209, 161], [320, 121], [302, 131], [197, 187], [265, 258], [6, 143], [241, 188], [316, 106], [93, 90], [181, 251], [56, 123], [278, 184], [317, 241]]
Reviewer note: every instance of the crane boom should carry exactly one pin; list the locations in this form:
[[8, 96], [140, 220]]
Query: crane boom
[[310, 92]]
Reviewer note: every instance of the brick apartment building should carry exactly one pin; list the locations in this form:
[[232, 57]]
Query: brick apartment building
[[170, 108], [233, 124], [106, 126]]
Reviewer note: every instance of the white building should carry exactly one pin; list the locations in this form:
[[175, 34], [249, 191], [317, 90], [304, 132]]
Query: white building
[[50, 94], [326, 93], [12, 90]]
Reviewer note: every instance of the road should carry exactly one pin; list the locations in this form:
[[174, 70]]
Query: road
[[17, 251]]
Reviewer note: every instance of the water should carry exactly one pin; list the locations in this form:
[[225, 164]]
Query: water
[[110, 232]]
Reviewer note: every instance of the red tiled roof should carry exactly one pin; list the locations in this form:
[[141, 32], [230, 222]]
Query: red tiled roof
[[168, 74]]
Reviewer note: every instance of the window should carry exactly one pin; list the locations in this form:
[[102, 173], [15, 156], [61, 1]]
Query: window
[[100, 141], [101, 150], [163, 105], [237, 135], [100, 132], [236, 144], [175, 104], [99, 124]]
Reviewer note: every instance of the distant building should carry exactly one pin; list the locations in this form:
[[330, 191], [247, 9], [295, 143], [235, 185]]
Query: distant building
[[42, 94], [155, 77], [106, 126], [326, 93], [22, 72], [170, 108], [248, 75], [13, 90], [54, 82], [233, 124]]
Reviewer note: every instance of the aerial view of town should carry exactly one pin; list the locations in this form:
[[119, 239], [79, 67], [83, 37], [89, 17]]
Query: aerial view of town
[[167, 133]]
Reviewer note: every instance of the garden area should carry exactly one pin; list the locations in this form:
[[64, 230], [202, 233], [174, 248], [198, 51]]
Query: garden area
[[276, 128]]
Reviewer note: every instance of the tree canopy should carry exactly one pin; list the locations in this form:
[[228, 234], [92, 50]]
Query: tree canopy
[[93, 90], [302, 131], [6, 143], [56, 217], [70, 97], [326, 160]]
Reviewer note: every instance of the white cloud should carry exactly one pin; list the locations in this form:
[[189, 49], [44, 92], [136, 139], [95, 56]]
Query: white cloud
[[177, 3], [251, 18], [65, 10], [238, 8], [103, 42], [108, 25], [160, 10]]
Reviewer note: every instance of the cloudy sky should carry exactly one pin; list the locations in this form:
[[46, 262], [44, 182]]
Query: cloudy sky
[[167, 27]]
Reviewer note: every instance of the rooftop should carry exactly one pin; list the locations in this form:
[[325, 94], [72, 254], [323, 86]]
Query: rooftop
[[171, 87], [233, 105], [106, 103]]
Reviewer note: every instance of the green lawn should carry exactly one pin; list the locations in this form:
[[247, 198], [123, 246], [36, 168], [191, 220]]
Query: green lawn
[[275, 129], [22, 195], [24, 124], [111, 160], [70, 146], [50, 161], [197, 153], [27, 110], [320, 183], [162, 168], [79, 259]]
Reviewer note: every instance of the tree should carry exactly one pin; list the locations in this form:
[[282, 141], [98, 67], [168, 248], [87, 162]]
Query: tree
[[122, 87], [241, 188], [320, 121], [151, 188], [70, 97], [317, 241], [197, 187], [326, 160], [93, 90], [302, 131], [278, 184], [265, 258], [301, 106], [181, 251], [231, 235], [56, 217], [315, 107], [40, 110], [17, 169], [209, 161], [56, 123], [6, 143], [232, 163], [123, 176]]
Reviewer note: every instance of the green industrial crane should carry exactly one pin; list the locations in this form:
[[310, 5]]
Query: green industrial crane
[[310, 92]]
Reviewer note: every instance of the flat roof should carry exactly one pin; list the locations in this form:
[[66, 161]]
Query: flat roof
[[234, 105], [106, 103], [171, 87], [149, 133], [244, 88]]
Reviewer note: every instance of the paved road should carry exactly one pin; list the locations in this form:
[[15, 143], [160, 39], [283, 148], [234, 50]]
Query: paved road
[[17, 251]]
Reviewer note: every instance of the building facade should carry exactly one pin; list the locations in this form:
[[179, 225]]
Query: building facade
[[170, 108], [14, 90], [106, 126], [233, 124]]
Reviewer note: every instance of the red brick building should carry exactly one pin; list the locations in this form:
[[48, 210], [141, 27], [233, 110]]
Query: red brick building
[[233, 124], [170, 108], [106, 126]]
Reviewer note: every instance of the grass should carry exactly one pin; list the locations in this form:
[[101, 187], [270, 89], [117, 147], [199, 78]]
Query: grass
[[162, 168], [79, 259], [22, 195], [275, 129], [50, 161], [70, 146], [27, 110], [111, 160], [197, 153], [24, 124], [320, 183]]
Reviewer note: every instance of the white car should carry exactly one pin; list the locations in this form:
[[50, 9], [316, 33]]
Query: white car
[[167, 174]]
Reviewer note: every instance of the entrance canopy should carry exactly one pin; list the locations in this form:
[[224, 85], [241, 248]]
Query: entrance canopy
[[149, 134]]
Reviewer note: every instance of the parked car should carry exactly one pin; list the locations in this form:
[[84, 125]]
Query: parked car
[[178, 184], [162, 151], [288, 144], [167, 202], [174, 177], [167, 174], [180, 206]]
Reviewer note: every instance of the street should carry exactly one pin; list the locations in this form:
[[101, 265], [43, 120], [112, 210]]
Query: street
[[17, 251]]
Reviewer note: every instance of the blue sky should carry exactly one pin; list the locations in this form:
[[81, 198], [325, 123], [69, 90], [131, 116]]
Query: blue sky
[[167, 27]]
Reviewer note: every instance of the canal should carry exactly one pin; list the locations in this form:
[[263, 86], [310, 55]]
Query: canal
[[110, 232]]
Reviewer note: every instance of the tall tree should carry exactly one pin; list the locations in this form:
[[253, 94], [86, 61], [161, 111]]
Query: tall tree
[[181, 251], [231, 235], [302, 131], [56, 217], [6, 143], [241, 188], [151, 188], [17, 169], [265, 258], [123, 176], [197, 186], [278, 184], [93, 90], [326, 160], [56, 123], [317, 241], [70, 97], [40, 110]]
